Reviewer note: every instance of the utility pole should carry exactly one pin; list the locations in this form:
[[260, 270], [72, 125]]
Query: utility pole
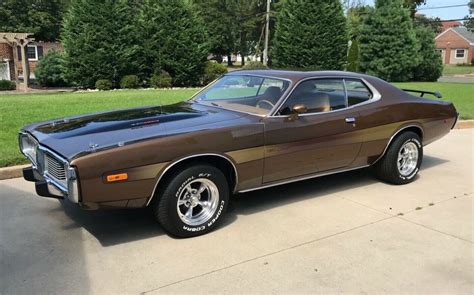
[[267, 33]]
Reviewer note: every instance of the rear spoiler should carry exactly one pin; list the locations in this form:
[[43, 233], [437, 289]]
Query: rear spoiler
[[422, 92]]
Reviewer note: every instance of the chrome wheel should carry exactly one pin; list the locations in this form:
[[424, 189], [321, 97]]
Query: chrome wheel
[[198, 201], [407, 158]]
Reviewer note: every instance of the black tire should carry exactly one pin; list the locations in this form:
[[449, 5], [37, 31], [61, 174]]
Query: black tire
[[386, 169], [166, 207]]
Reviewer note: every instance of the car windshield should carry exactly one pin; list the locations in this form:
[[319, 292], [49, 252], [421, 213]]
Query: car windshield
[[244, 93]]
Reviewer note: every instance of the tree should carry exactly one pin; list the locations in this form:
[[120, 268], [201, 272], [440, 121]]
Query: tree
[[174, 40], [388, 44], [469, 23], [100, 42], [353, 57], [234, 26], [412, 5], [40, 17], [434, 23], [430, 67], [310, 35]]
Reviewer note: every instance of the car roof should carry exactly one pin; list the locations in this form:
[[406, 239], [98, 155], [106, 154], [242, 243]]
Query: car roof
[[295, 75]]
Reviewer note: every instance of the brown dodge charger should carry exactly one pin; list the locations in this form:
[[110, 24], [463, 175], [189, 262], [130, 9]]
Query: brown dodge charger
[[246, 131]]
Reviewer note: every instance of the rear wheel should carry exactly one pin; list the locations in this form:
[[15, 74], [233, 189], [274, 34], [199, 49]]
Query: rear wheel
[[193, 201], [402, 161]]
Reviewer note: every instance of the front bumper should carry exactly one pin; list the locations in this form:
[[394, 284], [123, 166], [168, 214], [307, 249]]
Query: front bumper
[[52, 174], [47, 187]]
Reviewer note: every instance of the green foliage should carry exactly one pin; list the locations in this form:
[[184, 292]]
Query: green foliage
[[7, 85], [434, 23], [430, 67], [353, 58], [212, 71], [234, 26], [254, 65], [469, 23], [174, 39], [103, 84], [100, 41], [50, 70], [163, 80], [43, 18], [310, 35], [130, 82], [388, 44]]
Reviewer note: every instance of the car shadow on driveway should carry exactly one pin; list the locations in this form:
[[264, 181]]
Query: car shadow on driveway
[[112, 227]]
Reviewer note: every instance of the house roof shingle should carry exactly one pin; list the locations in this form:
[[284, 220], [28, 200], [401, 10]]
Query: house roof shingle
[[468, 35]]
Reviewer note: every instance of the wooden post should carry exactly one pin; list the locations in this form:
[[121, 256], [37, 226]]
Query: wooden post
[[25, 65]]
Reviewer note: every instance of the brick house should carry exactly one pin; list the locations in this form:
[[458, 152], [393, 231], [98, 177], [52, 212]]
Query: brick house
[[11, 57], [456, 45]]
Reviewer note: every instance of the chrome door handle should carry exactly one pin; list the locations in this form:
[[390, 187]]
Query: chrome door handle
[[350, 120]]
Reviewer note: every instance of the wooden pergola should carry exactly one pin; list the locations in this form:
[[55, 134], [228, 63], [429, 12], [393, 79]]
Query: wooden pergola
[[19, 40]]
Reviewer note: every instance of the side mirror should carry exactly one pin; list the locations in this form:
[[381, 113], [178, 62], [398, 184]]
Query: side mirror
[[297, 110]]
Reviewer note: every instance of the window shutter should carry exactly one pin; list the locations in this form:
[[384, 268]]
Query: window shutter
[[40, 51], [19, 52]]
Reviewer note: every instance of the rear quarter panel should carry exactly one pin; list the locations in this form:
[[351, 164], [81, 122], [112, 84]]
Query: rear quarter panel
[[395, 111]]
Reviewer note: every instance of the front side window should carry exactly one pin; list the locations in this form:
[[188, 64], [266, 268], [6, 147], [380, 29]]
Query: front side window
[[325, 95], [251, 94], [31, 52], [459, 53]]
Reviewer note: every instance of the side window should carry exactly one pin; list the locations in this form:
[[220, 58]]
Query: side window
[[357, 92], [318, 95], [268, 83]]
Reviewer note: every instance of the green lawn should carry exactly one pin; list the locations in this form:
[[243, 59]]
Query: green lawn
[[17, 110], [462, 95], [450, 70]]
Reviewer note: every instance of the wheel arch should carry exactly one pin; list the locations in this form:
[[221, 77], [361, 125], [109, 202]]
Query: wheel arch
[[413, 127], [223, 163]]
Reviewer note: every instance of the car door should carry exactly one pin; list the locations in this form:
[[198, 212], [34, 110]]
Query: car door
[[325, 137]]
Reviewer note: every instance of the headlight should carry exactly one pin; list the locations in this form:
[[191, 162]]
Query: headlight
[[28, 147]]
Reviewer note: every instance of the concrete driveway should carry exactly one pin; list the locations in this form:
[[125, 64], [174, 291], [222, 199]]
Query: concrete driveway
[[341, 233]]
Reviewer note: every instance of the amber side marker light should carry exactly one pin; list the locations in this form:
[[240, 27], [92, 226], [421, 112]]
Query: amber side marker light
[[117, 177]]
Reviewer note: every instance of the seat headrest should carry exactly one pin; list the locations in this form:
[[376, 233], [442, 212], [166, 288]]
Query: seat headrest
[[272, 93]]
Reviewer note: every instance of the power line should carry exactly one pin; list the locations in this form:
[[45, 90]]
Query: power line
[[441, 7]]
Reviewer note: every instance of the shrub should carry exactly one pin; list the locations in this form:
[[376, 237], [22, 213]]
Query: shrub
[[163, 80], [176, 40], [213, 71], [430, 67], [101, 41], [254, 65], [7, 85], [310, 35], [50, 70], [103, 84], [388, 47], [129, 82]]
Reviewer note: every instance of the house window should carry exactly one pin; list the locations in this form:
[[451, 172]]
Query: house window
[[460, 53], [32, 52]]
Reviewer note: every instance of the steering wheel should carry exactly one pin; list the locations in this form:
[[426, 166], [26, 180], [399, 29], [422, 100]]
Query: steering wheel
[[264, 101]]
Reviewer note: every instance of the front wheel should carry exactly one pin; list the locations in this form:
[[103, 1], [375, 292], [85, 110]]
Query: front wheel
[[193, 201], [402, 161]]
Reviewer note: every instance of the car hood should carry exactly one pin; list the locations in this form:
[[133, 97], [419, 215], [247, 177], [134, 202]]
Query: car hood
[[84, 134]]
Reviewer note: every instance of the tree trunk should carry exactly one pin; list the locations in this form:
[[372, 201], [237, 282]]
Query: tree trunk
[[229, 59]]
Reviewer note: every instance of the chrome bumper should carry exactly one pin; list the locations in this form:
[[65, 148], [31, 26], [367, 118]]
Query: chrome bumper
[[49, 188], [52, 174]]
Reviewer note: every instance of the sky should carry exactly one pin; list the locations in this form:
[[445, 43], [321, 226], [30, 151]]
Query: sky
[[442, 13]]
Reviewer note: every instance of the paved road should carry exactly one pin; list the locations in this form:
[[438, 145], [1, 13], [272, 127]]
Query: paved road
[[343, 233], [457, 79]]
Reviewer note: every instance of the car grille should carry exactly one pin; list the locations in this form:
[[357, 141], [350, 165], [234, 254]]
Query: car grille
[[55, 168]]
